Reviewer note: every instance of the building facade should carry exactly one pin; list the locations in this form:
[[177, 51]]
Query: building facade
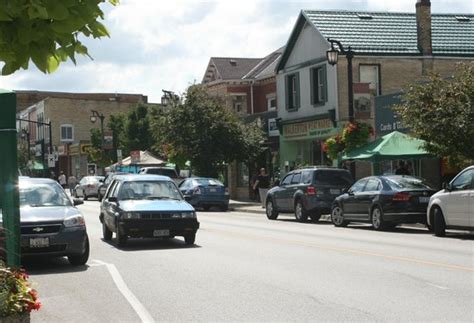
[[68, 115], [391, 50]]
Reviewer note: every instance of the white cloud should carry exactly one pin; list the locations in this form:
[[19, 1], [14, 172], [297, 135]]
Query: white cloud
[[167, 44]]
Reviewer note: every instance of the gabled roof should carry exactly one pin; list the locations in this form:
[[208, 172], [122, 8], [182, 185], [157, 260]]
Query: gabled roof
[[262, 68], [388, 33], [229, 68]]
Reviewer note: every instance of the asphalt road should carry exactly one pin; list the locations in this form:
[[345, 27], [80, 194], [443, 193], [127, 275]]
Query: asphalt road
[[247, 268]]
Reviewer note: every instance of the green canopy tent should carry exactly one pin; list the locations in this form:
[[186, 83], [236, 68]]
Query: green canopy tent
[[392, 146]]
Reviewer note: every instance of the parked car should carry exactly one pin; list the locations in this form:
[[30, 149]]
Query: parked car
[[453, 206], [308, 192], [205, 192], [106, 182], [50, 224], [146, 206], [165, 171], [384, 201], [88, 186]]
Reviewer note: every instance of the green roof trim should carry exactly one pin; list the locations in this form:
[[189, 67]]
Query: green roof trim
[[388, 33]]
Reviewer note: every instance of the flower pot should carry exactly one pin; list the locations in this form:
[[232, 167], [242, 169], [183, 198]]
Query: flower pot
[[20, 318]]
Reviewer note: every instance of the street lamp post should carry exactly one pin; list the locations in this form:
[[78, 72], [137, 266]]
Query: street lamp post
[[332, 56], [93, 119]]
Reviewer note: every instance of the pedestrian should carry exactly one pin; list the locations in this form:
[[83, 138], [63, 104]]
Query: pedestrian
[[62, 180], [402, 169], [253, 180], [72, 181], [263, 184]]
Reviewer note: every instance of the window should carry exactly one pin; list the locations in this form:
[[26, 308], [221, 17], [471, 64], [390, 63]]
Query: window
[[67, 132], [271, 102], [372, 185], [318, 85], [307, 177], [370, 74], [273, 128], [287, 179], [292, 91], [296, 178], [358, 186], [238, 107], [463, 181]]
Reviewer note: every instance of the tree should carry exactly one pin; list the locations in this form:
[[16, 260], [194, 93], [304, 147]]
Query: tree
[[205, 132], [138, 129], [441, 112], [47, 31]]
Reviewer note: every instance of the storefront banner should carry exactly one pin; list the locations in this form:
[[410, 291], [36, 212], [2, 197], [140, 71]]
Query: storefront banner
[[386, 120], [314, 128]]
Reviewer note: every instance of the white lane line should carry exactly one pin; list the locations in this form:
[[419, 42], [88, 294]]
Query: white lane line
[[123, 288], [438, 286]]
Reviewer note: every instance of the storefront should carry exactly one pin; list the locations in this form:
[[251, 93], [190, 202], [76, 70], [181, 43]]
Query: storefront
[[301, 142]]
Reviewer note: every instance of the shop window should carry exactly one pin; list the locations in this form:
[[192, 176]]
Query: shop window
[[370, 74], [292, 82], [242, 175], [67, 132], [319, 89]]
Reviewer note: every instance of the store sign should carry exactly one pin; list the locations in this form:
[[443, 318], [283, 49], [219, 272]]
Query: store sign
[[108, 140], [74, 149], [386, 119], [85, 149], [62, 150], [314, 128]]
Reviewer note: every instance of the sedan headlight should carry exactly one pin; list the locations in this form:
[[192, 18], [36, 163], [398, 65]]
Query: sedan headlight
[[184, 215], [130, 215], [74, 221]]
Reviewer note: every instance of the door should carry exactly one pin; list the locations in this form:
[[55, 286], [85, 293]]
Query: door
[[366, 198], [351, 207], [280, 193], [110, 208], [459, 200], [291, 190]]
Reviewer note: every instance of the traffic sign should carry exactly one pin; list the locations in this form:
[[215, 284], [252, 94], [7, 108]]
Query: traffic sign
[[51, 161]]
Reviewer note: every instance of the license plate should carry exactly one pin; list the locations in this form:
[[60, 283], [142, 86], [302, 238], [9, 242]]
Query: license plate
[[424, 199], [161, 233], [39, 242], [335, 191], [212, 190]]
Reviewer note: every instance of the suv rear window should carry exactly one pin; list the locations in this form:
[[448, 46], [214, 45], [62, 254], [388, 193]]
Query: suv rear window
[[161, 171], [332, 177]]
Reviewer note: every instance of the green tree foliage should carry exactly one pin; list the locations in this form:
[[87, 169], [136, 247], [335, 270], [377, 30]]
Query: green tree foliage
[[47, 32], [138, 129], [205, 132], [441, 112], [117, 123]]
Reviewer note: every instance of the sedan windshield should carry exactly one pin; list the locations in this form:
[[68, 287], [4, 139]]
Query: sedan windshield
[[207, 182], [144, 190], [44, 194]]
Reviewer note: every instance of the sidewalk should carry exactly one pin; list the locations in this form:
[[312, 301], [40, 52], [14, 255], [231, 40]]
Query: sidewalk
[[247, 207]]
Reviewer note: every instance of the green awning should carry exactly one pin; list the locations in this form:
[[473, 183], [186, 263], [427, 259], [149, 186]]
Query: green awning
[[394, 145], [36, 166]]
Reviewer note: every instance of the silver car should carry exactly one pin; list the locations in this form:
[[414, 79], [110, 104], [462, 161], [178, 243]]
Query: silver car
[[88, 186], [51, 225]]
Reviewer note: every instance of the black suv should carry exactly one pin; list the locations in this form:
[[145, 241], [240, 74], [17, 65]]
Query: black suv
[[308, 192]]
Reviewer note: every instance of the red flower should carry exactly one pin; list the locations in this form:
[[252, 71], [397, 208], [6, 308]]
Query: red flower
[[33, 293], [325, 148]]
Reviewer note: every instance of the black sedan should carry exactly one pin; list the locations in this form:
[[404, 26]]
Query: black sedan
[[384, 201]]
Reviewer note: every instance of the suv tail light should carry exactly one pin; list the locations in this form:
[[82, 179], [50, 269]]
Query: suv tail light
[[197, 190], [401, 197], [311, 190]]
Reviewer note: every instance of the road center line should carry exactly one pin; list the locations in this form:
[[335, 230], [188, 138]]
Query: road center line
[[129, 296], [346, 250]]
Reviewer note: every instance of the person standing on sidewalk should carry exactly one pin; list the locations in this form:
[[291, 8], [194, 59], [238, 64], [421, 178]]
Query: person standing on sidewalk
[[62, 180], [72, 181], [263, 184]]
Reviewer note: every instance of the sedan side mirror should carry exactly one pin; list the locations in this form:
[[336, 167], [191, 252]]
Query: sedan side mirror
[[112, 199], [447, 186], [350, 192], [78, 201]]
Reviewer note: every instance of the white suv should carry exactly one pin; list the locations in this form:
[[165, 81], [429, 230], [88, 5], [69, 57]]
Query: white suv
[[453, 206]]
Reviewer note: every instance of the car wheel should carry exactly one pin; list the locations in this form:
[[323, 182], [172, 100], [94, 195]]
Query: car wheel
[[439, 225], [106, 233], [300, 213], [270, 210], [80, 260], [190, 238], [337, 217], [377, 219], [121, 239], [224, 208]]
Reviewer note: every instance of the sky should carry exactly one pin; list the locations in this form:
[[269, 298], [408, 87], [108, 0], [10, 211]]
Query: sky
[[157, 45]]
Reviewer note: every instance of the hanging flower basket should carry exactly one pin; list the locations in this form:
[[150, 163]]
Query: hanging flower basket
[[355, 134], [333, 146], [17, 298]]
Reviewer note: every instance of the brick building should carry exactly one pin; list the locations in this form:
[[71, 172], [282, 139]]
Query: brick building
[[248, 86], [69, 116]]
